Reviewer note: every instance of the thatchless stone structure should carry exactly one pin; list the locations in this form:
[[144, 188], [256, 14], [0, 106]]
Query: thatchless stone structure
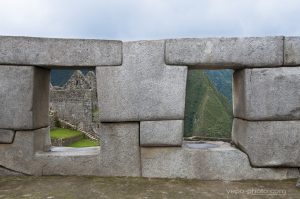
[[141, 93]]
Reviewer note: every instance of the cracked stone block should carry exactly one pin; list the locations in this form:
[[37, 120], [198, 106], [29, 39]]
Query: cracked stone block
[[143, 88], [161, 133], [24, 97], [267, 93], [20, 155], [53, 52], [120, 150], [6, 136], [292, 51], [269, 143], [221, 53], [213, 161]]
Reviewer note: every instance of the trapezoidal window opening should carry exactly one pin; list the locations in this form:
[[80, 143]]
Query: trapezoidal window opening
[[208, 108], [74, 112]]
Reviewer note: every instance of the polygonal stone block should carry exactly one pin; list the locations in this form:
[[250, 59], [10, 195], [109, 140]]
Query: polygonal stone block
[[267, 94], [6, 136], [161, 133], [51, 52], [120, 150], [24, 97], [214, 161], [269, 143], [292, 51], [143, 88], [220, 53], [19, 156]]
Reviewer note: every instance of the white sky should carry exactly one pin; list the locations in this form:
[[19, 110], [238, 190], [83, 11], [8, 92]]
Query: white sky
[[149, 19]]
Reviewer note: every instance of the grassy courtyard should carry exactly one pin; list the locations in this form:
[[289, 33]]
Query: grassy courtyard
[[61, 133]]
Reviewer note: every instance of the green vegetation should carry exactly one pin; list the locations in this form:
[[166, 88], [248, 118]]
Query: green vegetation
[[85, 142], [208, 113], [63, 133]]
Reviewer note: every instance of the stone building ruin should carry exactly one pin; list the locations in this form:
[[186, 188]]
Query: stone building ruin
[[141, 92], [76, 101]]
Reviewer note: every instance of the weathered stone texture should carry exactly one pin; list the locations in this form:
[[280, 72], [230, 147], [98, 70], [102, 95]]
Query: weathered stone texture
[[70, 161], [120, 151], [292, 51], [50, 52], [161, 133], [24, 97], [269, 143], [19, 156], [267, 94], [221, 163], [143, 88], [6, 136], [212, 53]]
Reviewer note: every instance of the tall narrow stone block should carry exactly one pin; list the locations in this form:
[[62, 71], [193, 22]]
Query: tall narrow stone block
[[220, 53], [143, 88], [292, 51], [24, 97], [52, 52], [120, 151], [161, 133], [267, 94], [269, 143]]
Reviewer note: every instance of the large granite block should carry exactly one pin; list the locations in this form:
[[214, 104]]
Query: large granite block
[[161, 133], [143, 88], [292, 51], [269, 143], [267, 94], [206, 161], [120, 151], [24, 97], [20, 155], [6, 136], [51, 52], [220, 53]]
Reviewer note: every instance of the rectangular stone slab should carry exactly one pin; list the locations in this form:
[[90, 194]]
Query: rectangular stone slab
[[267, 94], [269, 143], [24, 97], [143, 88], [51, 52], [221, 162], [6, 136], [161, 133], [120, 150], [221, 53], [292, 51]]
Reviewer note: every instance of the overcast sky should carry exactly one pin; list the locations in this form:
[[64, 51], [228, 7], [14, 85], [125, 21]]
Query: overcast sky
[[149, 19]]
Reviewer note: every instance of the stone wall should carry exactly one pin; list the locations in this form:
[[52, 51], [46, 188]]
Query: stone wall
[[141, 92], [76, 102]]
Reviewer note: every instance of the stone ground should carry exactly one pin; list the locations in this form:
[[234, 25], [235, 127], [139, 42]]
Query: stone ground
[[96, 187]]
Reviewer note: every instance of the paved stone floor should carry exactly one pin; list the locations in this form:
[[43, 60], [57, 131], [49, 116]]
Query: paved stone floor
[[95, 187]]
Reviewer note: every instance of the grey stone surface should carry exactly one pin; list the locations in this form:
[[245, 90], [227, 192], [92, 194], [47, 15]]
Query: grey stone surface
[[298, 183], [8, 172], [70, 161], [6, 136], [161, 133], [220, 163], [24, 97], [143, 88], [292, 51], [19, 156], [219, 53], [120, 151], [50, 52], [267, 94], [269, 143]]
